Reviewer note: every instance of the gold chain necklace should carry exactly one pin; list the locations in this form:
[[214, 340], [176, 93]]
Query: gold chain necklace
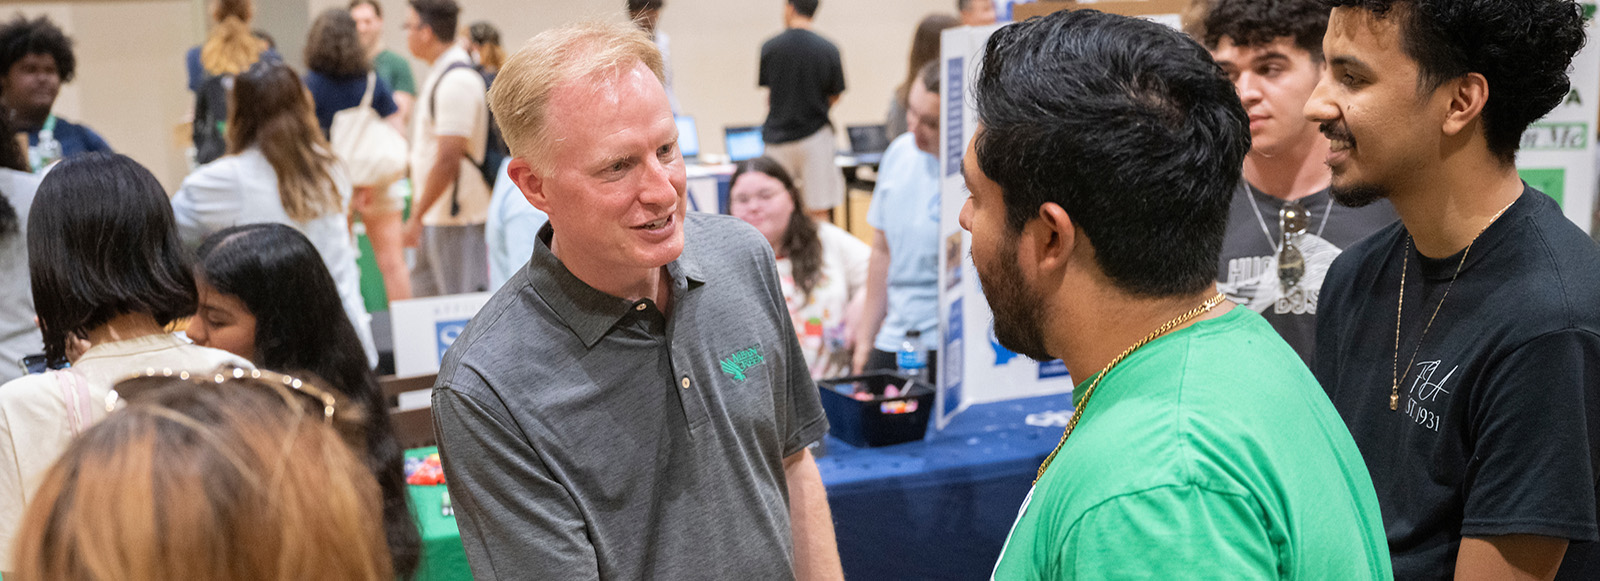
[[1077, 414], [1405, 264]]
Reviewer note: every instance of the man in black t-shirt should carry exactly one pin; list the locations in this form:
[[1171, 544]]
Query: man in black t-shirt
[[1283, 228], [804, 78], [1462, 345]]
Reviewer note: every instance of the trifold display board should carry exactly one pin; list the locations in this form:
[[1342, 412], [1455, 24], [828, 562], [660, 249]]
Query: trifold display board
[[973, 367], [1558, 151]]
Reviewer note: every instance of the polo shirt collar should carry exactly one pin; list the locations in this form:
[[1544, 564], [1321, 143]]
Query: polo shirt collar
[[587, 311]]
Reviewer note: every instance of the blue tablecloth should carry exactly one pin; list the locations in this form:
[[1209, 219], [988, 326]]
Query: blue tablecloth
[[939, 508]]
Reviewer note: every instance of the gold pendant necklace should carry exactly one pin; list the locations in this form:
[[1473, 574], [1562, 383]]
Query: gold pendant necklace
[[1077, 414], [1405, 264]]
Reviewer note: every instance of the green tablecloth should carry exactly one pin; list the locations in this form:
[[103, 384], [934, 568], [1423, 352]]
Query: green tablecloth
[[442, 555]]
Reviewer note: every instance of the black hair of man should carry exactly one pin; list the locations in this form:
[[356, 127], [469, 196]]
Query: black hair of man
[[1523, 48], [439, 16], [22, 37], [806, 8], [1130, 127], [1256, 23], [377, 9], [102, 242], [637, 6]]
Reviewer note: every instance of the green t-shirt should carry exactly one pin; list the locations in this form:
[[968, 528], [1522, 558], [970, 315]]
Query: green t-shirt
[[395, 71], [1209, 453]]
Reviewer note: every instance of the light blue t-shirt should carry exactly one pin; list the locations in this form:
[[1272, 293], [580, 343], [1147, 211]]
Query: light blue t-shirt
[[905, 207], [510, 230]]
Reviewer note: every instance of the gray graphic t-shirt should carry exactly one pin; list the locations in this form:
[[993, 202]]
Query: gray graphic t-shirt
[[1249, 267]]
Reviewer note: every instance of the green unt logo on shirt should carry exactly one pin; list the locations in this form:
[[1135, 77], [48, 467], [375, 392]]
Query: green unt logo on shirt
[[735, 365]]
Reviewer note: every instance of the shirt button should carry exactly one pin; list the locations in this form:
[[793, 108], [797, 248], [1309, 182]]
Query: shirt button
[[685, 383], [639, 307]]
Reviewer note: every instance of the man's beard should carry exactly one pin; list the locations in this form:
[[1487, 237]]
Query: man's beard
[[1016, 318], [1358, 195]]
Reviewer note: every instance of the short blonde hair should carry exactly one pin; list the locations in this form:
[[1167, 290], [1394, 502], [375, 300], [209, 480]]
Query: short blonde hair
[[522, 90]]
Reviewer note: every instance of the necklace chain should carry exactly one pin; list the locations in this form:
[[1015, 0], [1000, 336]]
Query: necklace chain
[[1077, 413], [1405, 264]]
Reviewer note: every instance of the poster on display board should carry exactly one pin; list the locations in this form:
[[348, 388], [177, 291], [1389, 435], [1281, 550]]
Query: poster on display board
[[1558, 151], [425, 328], [973, 367]]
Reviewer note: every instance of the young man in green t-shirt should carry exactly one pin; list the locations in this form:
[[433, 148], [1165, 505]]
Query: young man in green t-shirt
[[1106, 153]]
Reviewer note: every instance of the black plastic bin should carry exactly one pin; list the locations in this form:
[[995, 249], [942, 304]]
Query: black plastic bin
[[880, 421]]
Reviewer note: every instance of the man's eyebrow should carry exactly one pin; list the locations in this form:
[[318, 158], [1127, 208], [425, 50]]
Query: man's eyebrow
[[1348, 61]]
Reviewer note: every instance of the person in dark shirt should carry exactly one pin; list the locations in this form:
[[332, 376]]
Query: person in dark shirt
[[804, 78], [1461, 345], [37, 58], [1283, 228], [338, 71]]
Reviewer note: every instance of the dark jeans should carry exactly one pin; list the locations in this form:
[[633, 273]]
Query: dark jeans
[[881, 360]]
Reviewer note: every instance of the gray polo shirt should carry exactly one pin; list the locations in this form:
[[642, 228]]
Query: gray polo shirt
[[585, 436]]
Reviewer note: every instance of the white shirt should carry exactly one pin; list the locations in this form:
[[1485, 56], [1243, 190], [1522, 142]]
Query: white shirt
[[34, 429], [462, 112], [243, 189]]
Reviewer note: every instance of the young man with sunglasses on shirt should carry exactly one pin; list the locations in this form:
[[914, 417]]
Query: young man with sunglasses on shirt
[[1284, 230]]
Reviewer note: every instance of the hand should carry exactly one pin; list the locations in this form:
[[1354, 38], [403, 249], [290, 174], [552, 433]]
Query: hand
[[858, 363], [412, 235]]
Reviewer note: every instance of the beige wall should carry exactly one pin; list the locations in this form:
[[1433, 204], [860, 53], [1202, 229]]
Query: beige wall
[[131, 85], [716, 45]]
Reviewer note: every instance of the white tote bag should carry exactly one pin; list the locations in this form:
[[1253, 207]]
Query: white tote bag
[[373, 152]]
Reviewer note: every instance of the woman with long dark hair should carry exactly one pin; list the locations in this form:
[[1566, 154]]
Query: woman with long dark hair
[[108, 275], [266, 296], [278, 169], [822, 267]]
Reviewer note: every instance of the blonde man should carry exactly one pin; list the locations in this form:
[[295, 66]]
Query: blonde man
[[634, 403]]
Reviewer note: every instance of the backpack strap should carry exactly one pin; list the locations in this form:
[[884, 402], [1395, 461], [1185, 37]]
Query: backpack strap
[[433, 107], [372, 84]]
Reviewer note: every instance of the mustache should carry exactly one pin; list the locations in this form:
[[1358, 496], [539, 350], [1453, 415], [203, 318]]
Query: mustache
[[1335, 131]]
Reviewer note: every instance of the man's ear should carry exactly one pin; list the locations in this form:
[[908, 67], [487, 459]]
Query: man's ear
[[1052, 236], [530, 183], [1468, 95]]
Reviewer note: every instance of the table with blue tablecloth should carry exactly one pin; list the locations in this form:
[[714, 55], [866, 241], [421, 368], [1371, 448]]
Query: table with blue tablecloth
[[938, 508]]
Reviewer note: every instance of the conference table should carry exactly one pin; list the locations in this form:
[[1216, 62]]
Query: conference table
[[937, 508]]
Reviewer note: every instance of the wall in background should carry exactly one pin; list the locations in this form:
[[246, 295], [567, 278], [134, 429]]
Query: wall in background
[[131, 85]]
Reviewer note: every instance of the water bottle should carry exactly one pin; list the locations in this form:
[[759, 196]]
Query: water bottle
[[912, 359]]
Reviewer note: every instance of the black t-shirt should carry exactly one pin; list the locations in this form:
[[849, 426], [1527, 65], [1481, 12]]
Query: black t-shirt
[[802, 70], [1496, 431]]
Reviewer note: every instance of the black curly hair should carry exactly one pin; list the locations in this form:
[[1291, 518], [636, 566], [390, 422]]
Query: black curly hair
[[1522, 47], [22, 37], [1259, 22]]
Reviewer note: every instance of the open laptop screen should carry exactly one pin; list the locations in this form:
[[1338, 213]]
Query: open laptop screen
[[744, 143], [688, 137]]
